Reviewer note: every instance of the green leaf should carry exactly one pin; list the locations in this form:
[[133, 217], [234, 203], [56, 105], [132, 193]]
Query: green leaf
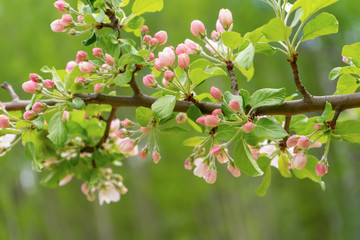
[[57, 80], [268, 128], [54, 176], [326, 113], [231, 40], [39, 123], [264, 164], [193, 141], [348, 131], [30, 152], [226, 132], [309, 170], [244, 160], [267, 97], [89, 19], [142, 6], [134, 24], [336, 72], [247, 73], [144, 116], [246, 57], [275, 30], [352, 51], [173, 130], [310, 7], [346, 84], [193, 113], [283, 166], [164, 107], [123, 78], [77, 103], [323, 24], [265, 49], [101, 158], [198, 75], [57, 130], [90, 40], [131, 59]]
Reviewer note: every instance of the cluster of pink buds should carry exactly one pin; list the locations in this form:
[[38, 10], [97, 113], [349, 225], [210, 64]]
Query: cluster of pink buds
[[209, 120], [147, 41], [61, 25], [35, 84]]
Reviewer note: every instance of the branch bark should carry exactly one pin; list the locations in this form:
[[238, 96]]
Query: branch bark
[[108, 125], [234, 84], [10, 89], [306, 95]]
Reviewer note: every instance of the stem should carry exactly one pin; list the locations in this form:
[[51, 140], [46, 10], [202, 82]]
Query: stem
[[234, 84], [306, 95], [108, 125]]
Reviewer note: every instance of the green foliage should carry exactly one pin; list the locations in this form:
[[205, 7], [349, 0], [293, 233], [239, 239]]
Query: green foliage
[[141, 6], [57, 130], [231, 40], [267, 97], [246, 57], [323, 24], [275, 30], [267, 128], [309, 7], [163, 107]]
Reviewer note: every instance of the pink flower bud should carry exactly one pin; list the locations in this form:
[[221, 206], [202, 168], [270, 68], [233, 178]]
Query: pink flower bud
[[144, 29], [66, 19], [234, 171], [216, 112], [49, 84], [147, 39], [144, 153], [181, 118], [66, 180], [225, 18], [215, 36], [248, 127], [151, 56], [182, 48], [38, 107], [70, 66], [210, 176], [222, 157], [317, 126], [167, 57], [345, 60], [316, 145], [34, 77], [156, 157], [169, 75], [255, 152], [86, 67], [29, 115], [149, 81], [104, 67], [30, 87], [216, 150], [183, 61], [303, 143], [57, 26], [158, 65], [292, 141], [193, 47], [153, 42], [4, 121], [299, 161], [127, 123], [212, 121], [81, 56], [84, 189], [201, 120], [197, 28], [60, 5], [234, 105], [122, 133], [109, 59], [188, 165], [216, 93], [126, 146], [145, 130], [80, 19], [80, 79], [162, 37], [97, 52], [98, 87], [65, 116], [165, 83], [320, 169], [219, 27]]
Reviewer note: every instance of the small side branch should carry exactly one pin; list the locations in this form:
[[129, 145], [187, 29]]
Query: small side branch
[[335, 118], [306, 95], [234, 84], [108, 125], [10, 89], [282, 143], [133, 84]]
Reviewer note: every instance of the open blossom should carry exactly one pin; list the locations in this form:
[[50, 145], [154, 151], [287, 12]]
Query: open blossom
[[225, 18], [57, 26], [197, 28], [126, 146], [70, 65], [167, 57], [200, 168], [161, 36], [210, 176], [183, 61], [181, 118], [30, 87], [108, 193], [5, 142], [216, 93], [4, 121], [49, 84], [86, 67]]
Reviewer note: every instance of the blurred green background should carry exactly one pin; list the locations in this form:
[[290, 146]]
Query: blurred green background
[[166, 201]]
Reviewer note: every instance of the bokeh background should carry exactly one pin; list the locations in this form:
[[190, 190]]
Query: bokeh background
[[166, 201]]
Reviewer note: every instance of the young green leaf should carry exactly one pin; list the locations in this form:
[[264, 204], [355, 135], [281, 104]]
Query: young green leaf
[[267, 97], [173, 130], [142, 6], [275, 30], [309, 170], [123, 78], [198, 75], [283, 166], [326, 113], [193, 141], [231, 40], [57, 130], [264, 164], [246, 57], [144, 116], [347, 84], [352, 51], [163, 107], [310, 7], [268, 128], [323, 24], [348, 131]]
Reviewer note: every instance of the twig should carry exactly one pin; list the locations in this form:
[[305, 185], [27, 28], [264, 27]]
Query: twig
[[234, 84], [282, 143], [133, 84], [338, 110], [10, 89], [108, 125], [306, 95]]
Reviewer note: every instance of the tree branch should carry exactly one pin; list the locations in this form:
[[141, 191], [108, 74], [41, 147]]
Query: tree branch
[[234, 84], [133, 84], [108, 125], [306, 95], [10, 89]]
